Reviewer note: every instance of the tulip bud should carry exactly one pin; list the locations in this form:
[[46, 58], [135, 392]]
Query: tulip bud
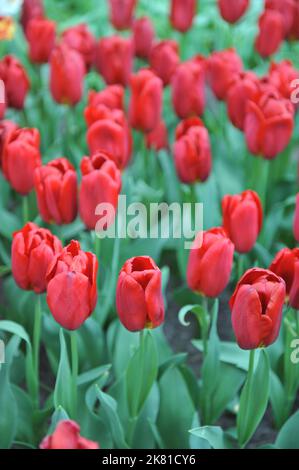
[[31, 9], [67, 436], [245, 88], [121, 13], [271, 33], [15, 80], [81, 40], [32, 250], [139, 299], [164, 59], [188, 88], [72, 286], [242, 219], [296, 220], [157, 139], [21, 150], [67, 71], [282, 76], [41, 34], [182, 14], [192, 151], [232, 10], [56, 191], [146, 100], [101, 183], [6, 129], [256, 307], [286, 265], [143, 36], [115, 59], [223, 68]]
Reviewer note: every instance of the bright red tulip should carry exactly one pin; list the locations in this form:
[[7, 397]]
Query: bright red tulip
[[112, 97], [121, 13], [164, 59], [157, 139], [31, 9], [232, 10], [72, 286], [242, 219], [245, 88], [210, 262], [282, 76], [115, 59], [143, 35], [286, 265], [296, 220], [271, 33], [101, 183], [67, 436], [182, 13], [146, 100], [81, 40], [192, 151], [32, 250], [139, 299], [256, 307], [15, 80], [223, 68], [6, 129], [21, 151], [41, 35]]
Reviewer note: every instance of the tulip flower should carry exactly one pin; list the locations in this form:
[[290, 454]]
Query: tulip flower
[[101, 183], [188, 88], [21, 151], [67, 72], [143, 37], [269, 124], [15, 80], [31, 9], [32, 250], [56, 191], [146, 100], [282, 75], [256, 307], [232, 10], [112, 97], [157, 139], [210, 262], [121, 13], [296, 220], [242, 219], [271, 33], [287, 10], [67, 436], [72, 288], [41, 34], [6, 129], [286, 265], [81, 40], [294, 31], [115, 59], [192, 151], [139, 300], [223, 67], [244, 89], [182, 13], [164, 59]]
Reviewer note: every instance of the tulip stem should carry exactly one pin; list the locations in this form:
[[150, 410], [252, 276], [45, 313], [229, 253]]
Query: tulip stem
[[36, 344], [75, 366], [240, 265], [97, 246], [25, 209]]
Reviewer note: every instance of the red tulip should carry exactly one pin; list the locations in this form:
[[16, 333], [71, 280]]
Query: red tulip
[[139, 299], [223, 68], [67, 72], [32, 250], [101, 183], [31, 9], [81, 40], [21, 151], [67, 436], [41, 34], [286, 265], [188, 88], [164, 59], [242, 219], [143, 36], [245, 88], [146, 100], [294, 32], [271, 33], [182, 14], [15, 80], [269, 124], [72, 286], [111, 97], [282, 75], [232, 10], [121, 13], [210, 262], [287, 9], [296, 220], [256, 307], [6, 129], [115, 59], [157, 139], [192, 151], [56, 191]]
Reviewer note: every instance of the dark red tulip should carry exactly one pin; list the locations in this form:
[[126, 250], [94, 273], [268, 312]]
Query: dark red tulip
[[192, 151], [182, 13], [242, 219], [223, 67], [146, 100], [164, 59], [56, 191], [282, 76], [286, 265], [81, 40], [232, 10], [15, 80], [245, 88], [256, 307], [121, 13], [41, 34], [210, 262], [72, 286], [157, 139], [6, 129], [287, 9], [143, 35], [271, 33], [32, 250], [101, 183], [188, 88], [294, 32], [31, 9], [21, 150], [296, 220], [67, 436], [115, 59], [139, 299], [111, 97]]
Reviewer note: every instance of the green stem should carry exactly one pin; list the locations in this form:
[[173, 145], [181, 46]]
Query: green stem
[[260, 177], [36, 344], [25, 209], [205, 331], [97, 246], [75, 367], [240, 265]]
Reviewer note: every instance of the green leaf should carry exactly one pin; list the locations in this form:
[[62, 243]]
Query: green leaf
[[277, 399], [213, 434], [288, 437], [15, 329], [59, 415], [93, 374], [62, 391]]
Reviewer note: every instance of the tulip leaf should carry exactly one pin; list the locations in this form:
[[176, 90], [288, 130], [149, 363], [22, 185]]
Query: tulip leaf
[[62, 391], [59, 415], [288, 437], [213, 434]]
